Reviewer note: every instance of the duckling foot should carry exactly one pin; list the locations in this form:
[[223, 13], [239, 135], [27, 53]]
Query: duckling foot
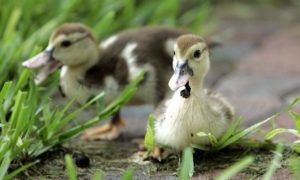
[[108, 131], [160, 154]]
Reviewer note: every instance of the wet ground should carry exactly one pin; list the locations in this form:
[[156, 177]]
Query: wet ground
[[257, 69]]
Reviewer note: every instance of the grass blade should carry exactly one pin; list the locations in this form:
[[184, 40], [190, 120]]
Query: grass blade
[[22, 79], [244, 132], [149, 136], [124, 96], [212, 139], [21, 169], [277, 131], [235, 168], [275, 162], [71, 171], [295, 101], [230, 131], [79, 110], [113, 107], [294, 166], [296, 117], [107, 19], [201, 147], [187, 165], [5, 164], [4, 91], [128, 174], [296, 147], [12, 23]]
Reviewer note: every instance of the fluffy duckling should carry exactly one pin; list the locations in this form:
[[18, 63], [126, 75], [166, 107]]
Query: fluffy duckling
[[89, 68], [191, 109]]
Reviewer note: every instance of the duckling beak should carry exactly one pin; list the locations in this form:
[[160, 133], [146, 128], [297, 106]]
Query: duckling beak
[[38, 60], [181, 76], [46, 62]]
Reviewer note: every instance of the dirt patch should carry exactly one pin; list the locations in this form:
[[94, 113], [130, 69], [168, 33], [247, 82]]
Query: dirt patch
[[113, 158]]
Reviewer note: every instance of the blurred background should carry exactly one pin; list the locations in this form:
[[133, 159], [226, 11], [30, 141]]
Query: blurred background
[[257, 67]]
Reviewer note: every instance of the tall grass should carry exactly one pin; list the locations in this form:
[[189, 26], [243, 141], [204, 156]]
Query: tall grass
[[30, 130]]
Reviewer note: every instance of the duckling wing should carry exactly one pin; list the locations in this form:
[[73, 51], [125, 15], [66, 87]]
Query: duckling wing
[[220, 105]]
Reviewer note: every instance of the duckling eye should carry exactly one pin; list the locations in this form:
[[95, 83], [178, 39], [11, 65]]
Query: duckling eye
[[65, 43], [174, 53], [197, 54]]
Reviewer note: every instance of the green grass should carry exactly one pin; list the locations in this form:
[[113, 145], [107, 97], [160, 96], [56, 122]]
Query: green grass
[[149, 140], [31, 132], [275, 162], [235, 168], [70, 168], [294, 166], [187, 165]]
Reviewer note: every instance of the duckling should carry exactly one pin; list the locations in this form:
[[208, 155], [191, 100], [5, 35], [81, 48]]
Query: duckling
[[88, 68], [192, 108]]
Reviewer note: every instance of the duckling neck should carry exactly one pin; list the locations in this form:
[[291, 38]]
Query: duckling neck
[[83, 67], [196, 85]]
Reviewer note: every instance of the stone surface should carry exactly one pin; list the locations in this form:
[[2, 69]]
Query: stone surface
[[263, 80], [279, 55], [239, 83], [255, 97], [136, 120]]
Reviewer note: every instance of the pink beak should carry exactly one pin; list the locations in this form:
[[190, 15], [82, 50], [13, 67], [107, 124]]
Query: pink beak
[[44, 61], [178, 81], [37, 61]]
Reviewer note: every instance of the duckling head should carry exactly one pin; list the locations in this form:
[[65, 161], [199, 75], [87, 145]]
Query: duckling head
[[71, 44], [190, 61]]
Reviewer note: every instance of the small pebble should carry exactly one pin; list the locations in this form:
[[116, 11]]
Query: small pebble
[[81, 160]]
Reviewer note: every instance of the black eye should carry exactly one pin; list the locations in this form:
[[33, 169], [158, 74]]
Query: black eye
[[197, 53], [174, 52], [65, 43]]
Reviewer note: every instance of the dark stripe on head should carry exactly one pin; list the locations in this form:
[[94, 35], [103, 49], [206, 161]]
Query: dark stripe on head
[[184, 42], [69, 28]]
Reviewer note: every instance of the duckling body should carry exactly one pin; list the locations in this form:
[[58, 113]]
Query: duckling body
[[202, 111], [122, 58], [125, 55], [89, 68]]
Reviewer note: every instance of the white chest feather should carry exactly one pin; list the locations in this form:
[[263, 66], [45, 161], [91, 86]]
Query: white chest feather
[[184, 118], [73, 89]]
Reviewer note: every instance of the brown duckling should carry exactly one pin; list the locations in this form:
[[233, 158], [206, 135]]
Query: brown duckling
[[89, 68]]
